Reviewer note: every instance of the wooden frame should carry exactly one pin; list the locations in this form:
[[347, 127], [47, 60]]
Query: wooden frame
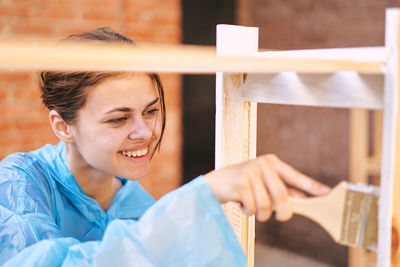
[[352, 88]]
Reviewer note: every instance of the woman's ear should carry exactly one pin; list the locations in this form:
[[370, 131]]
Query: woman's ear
[[60, 128]]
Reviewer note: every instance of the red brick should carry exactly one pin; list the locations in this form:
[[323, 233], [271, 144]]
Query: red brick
[[141, 34], [171, 37], [19, 107], [6, 124], [4, 93], [164, 19], [149, 5], [48, 137], [82, 4], [133, 5], [15, 140], [31, 29], [30, 123], [99, 15], [19, 11], [27, 93], [8, 77], [112, 4], [55, 13]]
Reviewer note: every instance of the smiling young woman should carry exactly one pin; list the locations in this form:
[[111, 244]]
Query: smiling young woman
[[79, 203]]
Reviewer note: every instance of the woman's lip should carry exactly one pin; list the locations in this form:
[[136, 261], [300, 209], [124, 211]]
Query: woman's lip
[[136, 148]]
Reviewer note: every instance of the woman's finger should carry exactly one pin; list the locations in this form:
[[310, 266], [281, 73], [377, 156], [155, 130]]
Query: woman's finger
[[296, 193], [262, 199], [297, 179], [277, 190], [246, 197]]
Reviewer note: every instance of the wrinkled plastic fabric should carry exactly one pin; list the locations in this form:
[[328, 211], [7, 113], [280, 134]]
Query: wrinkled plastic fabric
[[47, 220]]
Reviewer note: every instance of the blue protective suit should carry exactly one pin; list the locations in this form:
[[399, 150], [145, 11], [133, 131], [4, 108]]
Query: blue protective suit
[[47, 220]]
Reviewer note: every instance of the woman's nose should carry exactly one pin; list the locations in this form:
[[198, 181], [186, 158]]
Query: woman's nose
[[140, 130]]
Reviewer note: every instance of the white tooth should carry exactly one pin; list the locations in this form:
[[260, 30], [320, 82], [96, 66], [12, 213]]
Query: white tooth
[[144, 151], [129, 153], [123, 153], [139, 153], [134, 154]]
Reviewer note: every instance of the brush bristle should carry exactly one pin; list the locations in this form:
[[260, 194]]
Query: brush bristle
[[360, 221]]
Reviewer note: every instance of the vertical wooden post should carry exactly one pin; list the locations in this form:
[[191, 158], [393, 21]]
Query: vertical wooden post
[[374, 161], [358, 167], [236, 123], [389, 201]]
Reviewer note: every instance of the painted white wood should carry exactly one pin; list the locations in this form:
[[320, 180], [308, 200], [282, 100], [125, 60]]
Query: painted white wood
[[235, 123], [389, 139], [231, 40], [358, 54], [343, 89]]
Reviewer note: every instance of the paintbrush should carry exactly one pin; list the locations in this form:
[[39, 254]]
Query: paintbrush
[[348, 213]]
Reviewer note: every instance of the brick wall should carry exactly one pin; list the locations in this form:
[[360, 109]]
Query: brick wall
[[23, 121]]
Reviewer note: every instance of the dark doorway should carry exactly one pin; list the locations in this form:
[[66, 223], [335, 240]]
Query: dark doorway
[[199, 22]]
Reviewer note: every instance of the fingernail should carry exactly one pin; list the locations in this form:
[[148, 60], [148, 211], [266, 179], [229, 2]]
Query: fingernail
[[325, 189], [306, 185], [297, 196], [263, 216]]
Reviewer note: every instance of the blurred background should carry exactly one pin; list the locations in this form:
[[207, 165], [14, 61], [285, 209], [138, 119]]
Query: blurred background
[[314, 140]]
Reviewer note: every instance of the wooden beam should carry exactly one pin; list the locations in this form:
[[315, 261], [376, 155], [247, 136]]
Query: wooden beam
[[28, 55], [358, 167], [236, 124], [343, 89], [389, 201]]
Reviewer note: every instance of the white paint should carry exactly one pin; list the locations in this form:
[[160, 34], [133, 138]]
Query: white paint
[[235, 124], [235, 40], [231, 41], [358, 54], [344, 89], [389, 139]]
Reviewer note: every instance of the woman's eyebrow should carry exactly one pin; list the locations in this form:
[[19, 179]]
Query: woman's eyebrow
[[126, 109], [152, 102], [122, 109]]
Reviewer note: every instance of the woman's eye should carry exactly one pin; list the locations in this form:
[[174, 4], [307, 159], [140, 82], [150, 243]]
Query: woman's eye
[[117, 121], [153, 111]]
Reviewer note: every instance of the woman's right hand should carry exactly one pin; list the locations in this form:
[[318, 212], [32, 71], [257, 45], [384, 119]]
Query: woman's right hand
[[260, 186]]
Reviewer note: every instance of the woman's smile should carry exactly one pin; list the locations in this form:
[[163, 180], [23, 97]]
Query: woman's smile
[[136, 155]]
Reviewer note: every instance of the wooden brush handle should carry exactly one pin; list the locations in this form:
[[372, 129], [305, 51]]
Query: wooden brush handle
[[326, 210]]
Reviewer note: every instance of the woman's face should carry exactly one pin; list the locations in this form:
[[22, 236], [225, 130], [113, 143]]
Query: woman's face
[[118, 128]]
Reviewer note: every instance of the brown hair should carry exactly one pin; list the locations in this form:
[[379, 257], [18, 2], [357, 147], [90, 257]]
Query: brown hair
[[66, 92]]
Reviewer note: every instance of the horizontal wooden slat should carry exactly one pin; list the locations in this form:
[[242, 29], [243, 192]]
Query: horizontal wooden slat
[[24, 55], [361, 54], [343, 89]]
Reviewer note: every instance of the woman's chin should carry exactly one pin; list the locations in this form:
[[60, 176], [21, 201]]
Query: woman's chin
[[136, 178], [134, 175]]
